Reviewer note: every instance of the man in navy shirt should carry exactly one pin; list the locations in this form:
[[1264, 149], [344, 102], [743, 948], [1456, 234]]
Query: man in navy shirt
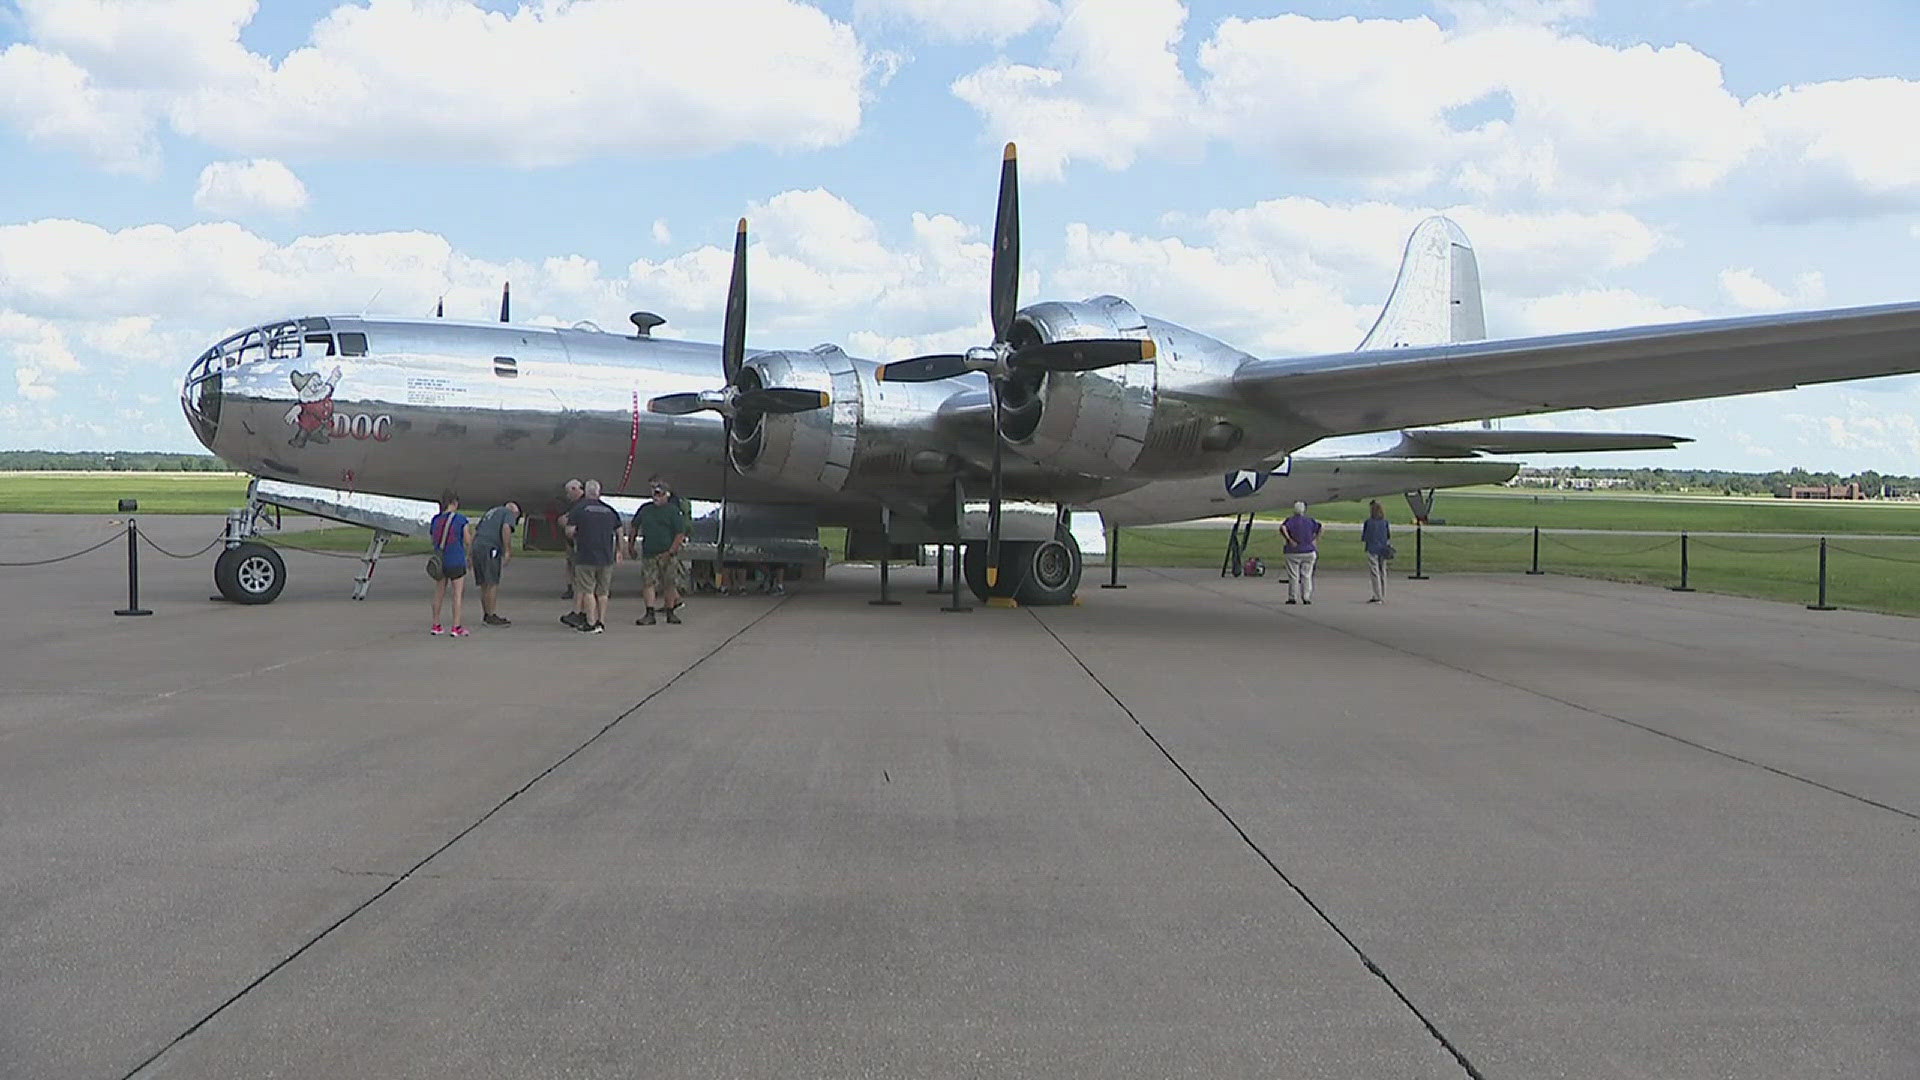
[[1302, 534], [594, 527]]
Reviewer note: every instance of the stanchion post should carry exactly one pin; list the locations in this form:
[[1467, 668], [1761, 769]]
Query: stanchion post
[[940, 569], [1822, 605], [1683, 586], [1419, 554], [133, 564], [1113, 561], [886, 597], [953, 580], [959, 522], [1536, 552]]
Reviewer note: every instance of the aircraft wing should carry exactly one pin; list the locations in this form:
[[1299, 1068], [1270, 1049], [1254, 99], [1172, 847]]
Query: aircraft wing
[[1471, 442], [1381, 389]]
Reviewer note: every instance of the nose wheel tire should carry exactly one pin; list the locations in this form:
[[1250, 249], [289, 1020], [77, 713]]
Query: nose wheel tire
[[250, 573], [1037, 573]]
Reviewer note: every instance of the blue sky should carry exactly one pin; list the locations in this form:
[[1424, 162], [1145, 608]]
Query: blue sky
[[179, 169]]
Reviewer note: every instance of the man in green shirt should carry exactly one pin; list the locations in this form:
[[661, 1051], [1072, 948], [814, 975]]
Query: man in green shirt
[[659, 530]]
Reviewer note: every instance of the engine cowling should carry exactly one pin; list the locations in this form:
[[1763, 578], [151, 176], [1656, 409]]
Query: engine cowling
[[810, 450], [1094, 422]]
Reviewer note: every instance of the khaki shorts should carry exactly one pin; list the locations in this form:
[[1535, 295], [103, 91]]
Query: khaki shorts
[[593, 581], [663, 571]]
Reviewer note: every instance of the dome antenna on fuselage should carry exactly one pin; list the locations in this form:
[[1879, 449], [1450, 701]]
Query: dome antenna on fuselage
[[644, 322]]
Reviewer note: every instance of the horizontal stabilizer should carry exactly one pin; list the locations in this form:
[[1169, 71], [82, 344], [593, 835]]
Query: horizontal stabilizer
[[1471, 442]]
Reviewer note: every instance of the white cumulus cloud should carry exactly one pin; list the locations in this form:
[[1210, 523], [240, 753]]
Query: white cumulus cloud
[[1111, 88], [1749, 290], [249, 187], [544, 83], [960, 20]]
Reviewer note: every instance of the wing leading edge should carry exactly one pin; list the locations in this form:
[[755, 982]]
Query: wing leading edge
[[1346, 393]]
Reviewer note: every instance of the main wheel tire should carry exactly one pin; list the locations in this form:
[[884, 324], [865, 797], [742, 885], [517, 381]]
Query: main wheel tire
[[252, 573], [1036, 572], [1049, 572]]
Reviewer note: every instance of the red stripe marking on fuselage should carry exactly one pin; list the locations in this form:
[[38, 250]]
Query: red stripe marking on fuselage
[[633, 444]]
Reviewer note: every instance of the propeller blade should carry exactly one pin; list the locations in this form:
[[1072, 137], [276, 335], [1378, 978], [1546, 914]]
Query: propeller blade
[[1086, 354], [923, 368], [782, 399], [733, 339], [678, 404], [1004, 300], [506, 287], [726, 467], [993, 504]]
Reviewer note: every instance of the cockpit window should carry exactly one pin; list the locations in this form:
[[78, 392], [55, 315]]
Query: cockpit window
[[319, 343], [353, 343], [315, 324]]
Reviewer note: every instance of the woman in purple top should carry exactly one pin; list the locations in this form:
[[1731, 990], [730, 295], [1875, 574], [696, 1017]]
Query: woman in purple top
[[1302, 534]]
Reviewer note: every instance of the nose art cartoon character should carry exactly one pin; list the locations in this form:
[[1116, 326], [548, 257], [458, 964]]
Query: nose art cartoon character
[[313, 416]]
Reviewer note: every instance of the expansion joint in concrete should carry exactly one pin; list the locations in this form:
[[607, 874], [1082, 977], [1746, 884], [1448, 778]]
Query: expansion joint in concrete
[[1253, 845], [143, 1067]]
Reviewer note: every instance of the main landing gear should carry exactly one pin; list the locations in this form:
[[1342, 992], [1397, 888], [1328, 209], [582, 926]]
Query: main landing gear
[[1033, 572]]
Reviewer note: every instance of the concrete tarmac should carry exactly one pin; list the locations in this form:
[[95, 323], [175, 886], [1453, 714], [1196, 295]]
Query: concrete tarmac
[[1500, 826]]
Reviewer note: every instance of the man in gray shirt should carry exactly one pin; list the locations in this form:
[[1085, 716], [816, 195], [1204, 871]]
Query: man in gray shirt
[[491, 552]]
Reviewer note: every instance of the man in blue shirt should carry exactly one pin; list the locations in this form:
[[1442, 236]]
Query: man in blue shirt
[[1302, 535], [492, 550], [594, 527]]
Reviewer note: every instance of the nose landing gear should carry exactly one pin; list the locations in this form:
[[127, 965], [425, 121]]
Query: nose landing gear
[[248, 571]]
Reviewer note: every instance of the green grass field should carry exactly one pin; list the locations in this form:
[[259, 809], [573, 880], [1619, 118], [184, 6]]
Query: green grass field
[[1869, 575], [100, 493], [1878, 575]]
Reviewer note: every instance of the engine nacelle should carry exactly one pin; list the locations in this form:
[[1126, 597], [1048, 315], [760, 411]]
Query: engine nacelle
[[811, 450], [1094, 422], [1150, 419]]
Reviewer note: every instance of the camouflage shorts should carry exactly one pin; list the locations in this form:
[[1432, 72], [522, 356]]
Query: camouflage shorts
[[663, 572]]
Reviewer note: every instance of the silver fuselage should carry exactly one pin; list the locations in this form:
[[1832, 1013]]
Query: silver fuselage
[[494, 411]]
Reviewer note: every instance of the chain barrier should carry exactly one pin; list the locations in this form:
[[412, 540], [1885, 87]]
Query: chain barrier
[[1697, 542], [1172, 545], [1655, 546], [64, 558], [1872, 555], [1476, 541], [279, 543], [147, 540]]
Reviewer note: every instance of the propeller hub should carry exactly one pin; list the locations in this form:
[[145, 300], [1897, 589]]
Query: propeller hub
[[989, 358]]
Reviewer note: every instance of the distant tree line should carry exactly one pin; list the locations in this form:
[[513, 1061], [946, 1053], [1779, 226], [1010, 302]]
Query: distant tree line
[[1725, 482], [108, 461]]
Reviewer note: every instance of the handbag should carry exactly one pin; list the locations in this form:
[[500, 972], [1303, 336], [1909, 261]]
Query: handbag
[[436, 568], [1387, 553]]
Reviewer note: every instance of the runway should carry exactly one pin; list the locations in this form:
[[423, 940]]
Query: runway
[[1500, 827]]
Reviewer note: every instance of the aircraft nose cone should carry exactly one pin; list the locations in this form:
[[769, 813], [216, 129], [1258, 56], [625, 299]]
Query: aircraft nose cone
[[200, 399]]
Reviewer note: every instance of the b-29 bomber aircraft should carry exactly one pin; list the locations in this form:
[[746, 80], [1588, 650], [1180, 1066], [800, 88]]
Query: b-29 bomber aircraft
[[1074, 405]]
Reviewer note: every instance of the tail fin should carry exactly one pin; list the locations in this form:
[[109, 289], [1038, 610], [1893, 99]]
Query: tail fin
[[1436, 298]]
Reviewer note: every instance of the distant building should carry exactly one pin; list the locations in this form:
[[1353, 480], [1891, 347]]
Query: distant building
[[1826, 491]]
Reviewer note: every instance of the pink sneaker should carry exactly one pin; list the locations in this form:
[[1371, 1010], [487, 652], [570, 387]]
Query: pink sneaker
[[436, 631], [460, 631]]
